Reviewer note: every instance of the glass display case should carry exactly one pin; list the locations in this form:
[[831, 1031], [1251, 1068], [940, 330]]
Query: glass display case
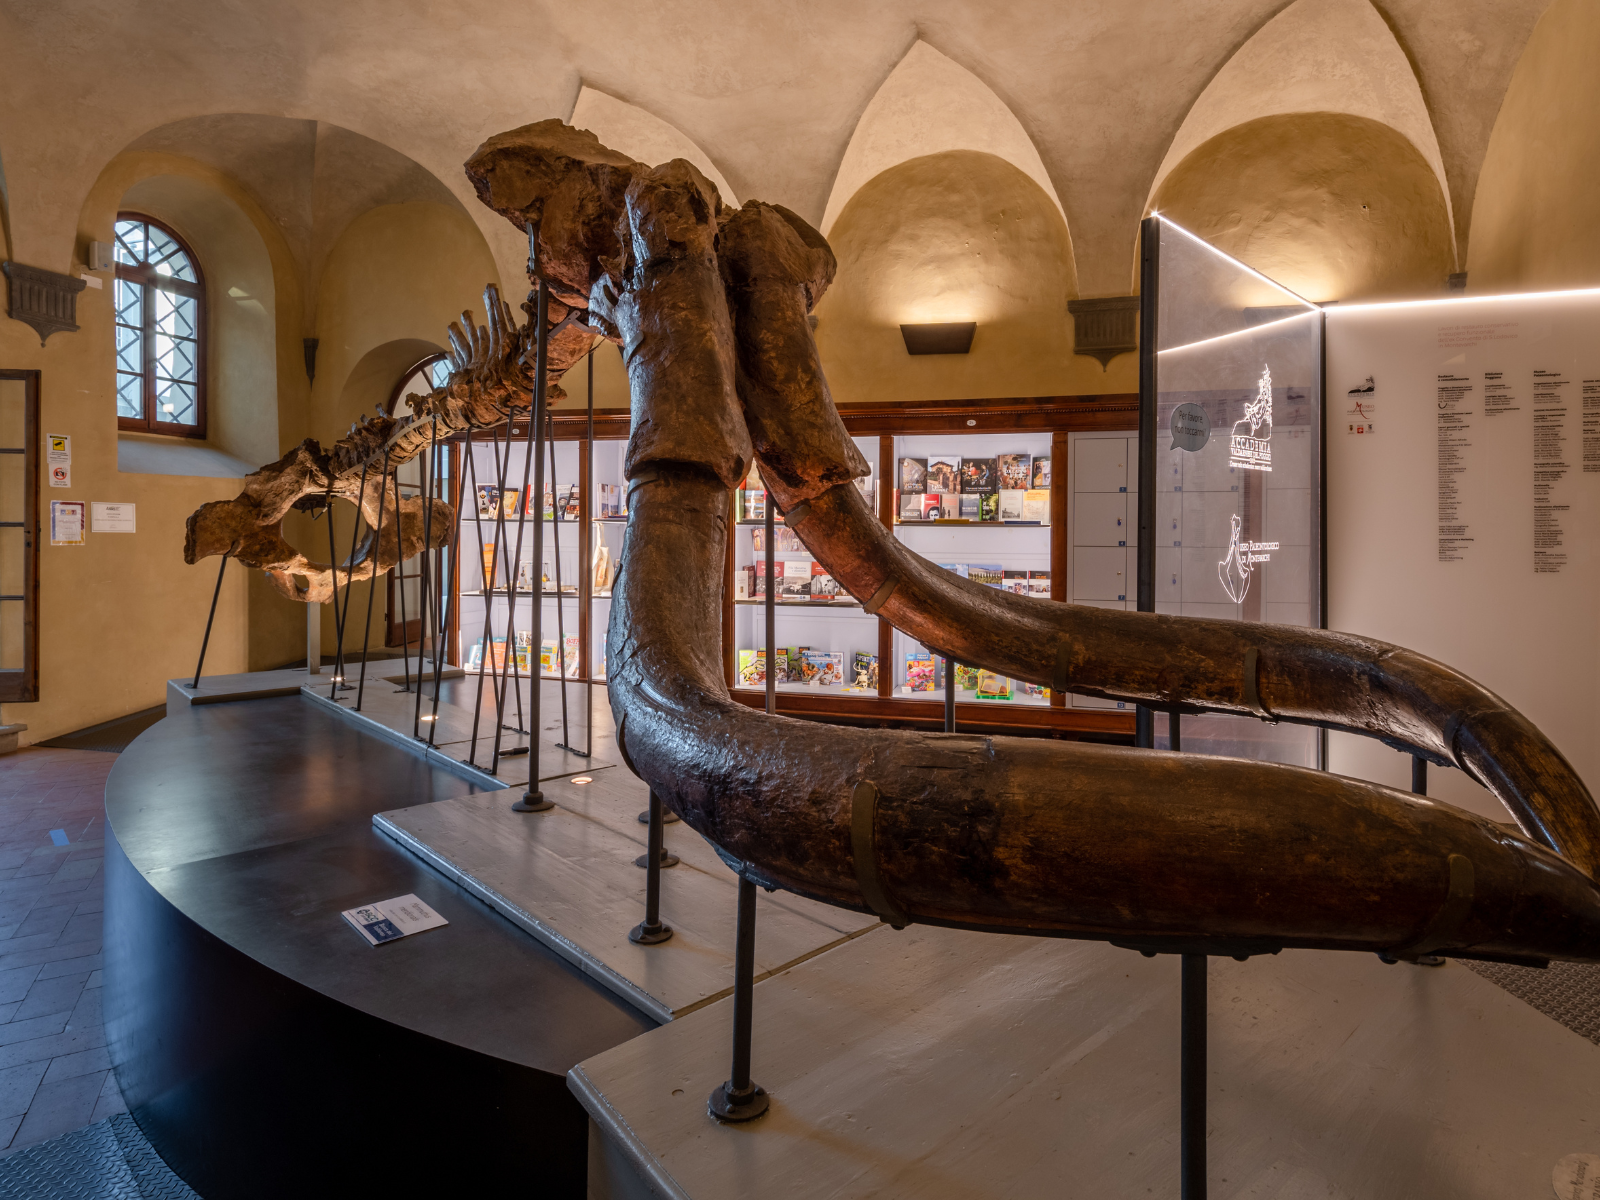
[[1235, 440]]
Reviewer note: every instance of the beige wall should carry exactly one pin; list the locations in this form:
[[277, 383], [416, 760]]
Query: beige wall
[[955, 236], [1536, 224], [1334, 206]]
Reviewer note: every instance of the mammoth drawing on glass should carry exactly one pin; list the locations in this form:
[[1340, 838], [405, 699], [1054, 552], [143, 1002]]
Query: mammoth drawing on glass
[[1148, 849]]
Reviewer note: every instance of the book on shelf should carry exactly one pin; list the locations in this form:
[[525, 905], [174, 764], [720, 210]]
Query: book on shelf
[[758, 579], [913, 476], [968, 506], [864, 671], [524, 651], [796, 579], [475, 655], [508, 501], [992, 686], [1015, 471], [989, 506], [966, 678], [610, 499], [822, 668], [488, 500], [911, 506], [1041, 473], [937, 506], [574, 508], [784, 541], [1011, 504], [744, 583], [786, 664], [497, 658], [1014, 581], [944, 475], [1031, 691], [988, 574], [1039, 583], [488, 568], [956, 568], [547, 656], [978, 474], [525, 576], [752, 505], [1036, 505], [752, 668], [823, 585], [919, 671]]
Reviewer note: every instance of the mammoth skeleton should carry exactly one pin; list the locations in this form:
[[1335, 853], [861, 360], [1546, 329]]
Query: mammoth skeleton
[[1151, 849]]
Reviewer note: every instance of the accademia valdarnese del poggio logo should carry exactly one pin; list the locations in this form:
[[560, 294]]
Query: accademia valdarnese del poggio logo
[[1250, 449]]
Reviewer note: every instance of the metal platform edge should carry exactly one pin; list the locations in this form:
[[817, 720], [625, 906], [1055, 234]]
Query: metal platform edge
[[433, 755], [526, 921], [619, 1135]]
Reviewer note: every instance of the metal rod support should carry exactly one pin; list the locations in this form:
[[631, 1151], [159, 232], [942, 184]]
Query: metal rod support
[[741, 1099], [652, 931], [1419, 775], [533, 799], [372, 589], [1192, 1085], [1174, 733], [211, 616], [770, 608], [949, 695]]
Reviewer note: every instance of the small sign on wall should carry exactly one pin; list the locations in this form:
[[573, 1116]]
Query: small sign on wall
[[58, 459], [66, 523], [112, 518]]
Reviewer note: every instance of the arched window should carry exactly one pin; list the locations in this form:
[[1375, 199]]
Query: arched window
[[432, 372], [160, 304]]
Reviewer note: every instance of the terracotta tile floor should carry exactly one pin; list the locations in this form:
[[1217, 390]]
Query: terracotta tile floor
[[55, 1075]]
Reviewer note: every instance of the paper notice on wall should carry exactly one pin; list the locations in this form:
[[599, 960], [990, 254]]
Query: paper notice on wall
[[112, 518], [58, 459], [66, 523]]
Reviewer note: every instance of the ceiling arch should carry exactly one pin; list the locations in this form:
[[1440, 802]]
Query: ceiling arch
[[640, 135], [927, 105], [1330, 56]]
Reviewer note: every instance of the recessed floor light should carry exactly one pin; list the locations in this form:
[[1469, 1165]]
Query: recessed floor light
[[583, 779]]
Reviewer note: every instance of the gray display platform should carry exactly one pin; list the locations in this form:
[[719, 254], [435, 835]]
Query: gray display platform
[[940, 1064], [568, 877]]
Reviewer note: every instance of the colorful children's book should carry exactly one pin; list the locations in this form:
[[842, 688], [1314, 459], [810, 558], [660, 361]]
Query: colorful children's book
[[488, 568], [824, 668], [864, 671], [752, 668], [944, 475], [913, 476], [966, 678], [1015, 471], [978, 474], [824, 587], [993, 687], [488, 500], [508, 501], [792, 671], [1041, 473], [524, 651], [499, 659], [919, 671]]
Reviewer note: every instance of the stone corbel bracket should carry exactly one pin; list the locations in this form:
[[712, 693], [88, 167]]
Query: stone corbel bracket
[[1105, 327], [42, 299]]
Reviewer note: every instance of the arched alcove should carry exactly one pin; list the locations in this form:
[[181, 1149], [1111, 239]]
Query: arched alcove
[[1316, 56], [1334, 206], [241, 366], [1533, 219], [640, 135], [956, 236], [929, 104]]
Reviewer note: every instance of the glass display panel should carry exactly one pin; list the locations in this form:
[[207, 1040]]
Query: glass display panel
[[825, 643], [1238, 486], [978, 504], [13, 513], [1102, 481]]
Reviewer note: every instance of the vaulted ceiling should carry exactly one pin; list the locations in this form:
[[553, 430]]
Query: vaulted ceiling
[[770, 93]]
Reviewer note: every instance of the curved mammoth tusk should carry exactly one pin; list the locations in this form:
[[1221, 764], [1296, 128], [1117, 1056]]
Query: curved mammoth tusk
[[773, 262]]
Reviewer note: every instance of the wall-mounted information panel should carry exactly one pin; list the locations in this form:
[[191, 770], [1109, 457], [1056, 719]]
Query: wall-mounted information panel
[[1231, 429], [1464, 485]]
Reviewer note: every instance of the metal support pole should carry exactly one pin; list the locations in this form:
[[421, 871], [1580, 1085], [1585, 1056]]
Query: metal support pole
[[949, 695], [652, 931], [657, 844], [533, 799], [1192, 1084], [740, 1099], [211, 616], [428, 466], [1174, 733], [377, 546], [770, 609], [557, 514], [1419, 775], [587, 575], [338, 623]]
